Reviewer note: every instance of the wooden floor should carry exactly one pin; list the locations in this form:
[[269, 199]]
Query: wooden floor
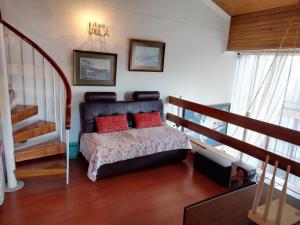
[[151, 197]]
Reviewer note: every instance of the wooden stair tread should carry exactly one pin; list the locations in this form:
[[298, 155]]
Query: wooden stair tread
[[49, 148], [22, 112], [36, 129], [51, 161], [42, 168], [41, 172]]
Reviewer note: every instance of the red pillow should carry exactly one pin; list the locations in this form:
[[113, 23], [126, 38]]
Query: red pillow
[[107, 124], [144, 120]]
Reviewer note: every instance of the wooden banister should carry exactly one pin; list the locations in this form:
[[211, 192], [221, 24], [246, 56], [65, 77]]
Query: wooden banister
[[53, 63], [268, 129], [244, 147]]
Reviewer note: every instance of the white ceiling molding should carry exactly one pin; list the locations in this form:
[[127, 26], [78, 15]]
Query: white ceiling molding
[[217, 9]]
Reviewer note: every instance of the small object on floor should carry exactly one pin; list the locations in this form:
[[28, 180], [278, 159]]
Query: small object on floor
[[74, 150]]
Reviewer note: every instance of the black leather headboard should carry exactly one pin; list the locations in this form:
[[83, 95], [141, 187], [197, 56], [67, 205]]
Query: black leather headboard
[[146, 95], [90, 110], [100, 97]]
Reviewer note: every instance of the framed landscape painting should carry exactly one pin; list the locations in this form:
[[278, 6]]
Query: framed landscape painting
[[147, 56], [94, 68], [208, 122]]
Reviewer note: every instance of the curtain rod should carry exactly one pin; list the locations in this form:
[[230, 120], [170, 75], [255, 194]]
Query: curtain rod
[[281, 52]]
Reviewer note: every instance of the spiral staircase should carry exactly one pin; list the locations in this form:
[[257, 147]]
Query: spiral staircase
[[35, 106]]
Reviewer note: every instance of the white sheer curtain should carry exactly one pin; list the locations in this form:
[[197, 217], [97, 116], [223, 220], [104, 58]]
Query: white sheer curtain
[[260, 86], [267, 88]]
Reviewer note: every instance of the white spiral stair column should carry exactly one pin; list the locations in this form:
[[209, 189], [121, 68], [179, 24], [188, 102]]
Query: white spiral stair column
[[7, 130]]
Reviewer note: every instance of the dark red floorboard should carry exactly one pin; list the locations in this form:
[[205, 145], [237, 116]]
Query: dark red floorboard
[[151, 197]]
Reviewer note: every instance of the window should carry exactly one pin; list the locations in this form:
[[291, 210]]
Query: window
[[267, 88], [207, 121]]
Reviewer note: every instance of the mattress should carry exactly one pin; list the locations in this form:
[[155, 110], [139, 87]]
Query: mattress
[[101, 149]]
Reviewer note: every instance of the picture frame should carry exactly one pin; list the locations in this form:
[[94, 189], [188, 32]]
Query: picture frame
[[146, 56], [94, 68], [207, 121]]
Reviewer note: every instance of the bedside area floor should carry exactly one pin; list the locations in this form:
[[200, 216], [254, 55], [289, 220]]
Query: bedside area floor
[[155, 196]]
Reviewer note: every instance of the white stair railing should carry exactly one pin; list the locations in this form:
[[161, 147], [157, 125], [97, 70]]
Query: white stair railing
[[8, 141], [37, 80], [35, 83]]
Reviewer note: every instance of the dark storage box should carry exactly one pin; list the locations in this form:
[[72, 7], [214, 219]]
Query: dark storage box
[[213, 165]]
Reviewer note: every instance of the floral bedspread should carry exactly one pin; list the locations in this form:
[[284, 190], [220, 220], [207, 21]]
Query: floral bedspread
[[100, 149]]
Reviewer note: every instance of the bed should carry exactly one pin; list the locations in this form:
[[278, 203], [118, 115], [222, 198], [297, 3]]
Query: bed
[[120, 152]]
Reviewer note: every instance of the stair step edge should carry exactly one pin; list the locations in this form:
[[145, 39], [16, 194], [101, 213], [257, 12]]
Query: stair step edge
[[40, 172], [42, 150], [22, 112], [36, 129]]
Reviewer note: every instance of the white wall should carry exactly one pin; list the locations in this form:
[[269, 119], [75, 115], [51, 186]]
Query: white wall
[[195, 36]]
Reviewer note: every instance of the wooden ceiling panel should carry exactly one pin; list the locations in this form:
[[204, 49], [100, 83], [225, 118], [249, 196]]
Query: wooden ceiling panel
[[265, 30], [239, 7]]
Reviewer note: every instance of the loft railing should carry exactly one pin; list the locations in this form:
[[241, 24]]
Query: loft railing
[[267, 129]]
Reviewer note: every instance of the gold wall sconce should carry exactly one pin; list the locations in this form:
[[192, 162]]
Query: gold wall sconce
[[97, 29]]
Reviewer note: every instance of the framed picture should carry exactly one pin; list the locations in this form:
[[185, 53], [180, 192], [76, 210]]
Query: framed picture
[[208, 122], [94, 68], [147, 56], [241, 174]]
